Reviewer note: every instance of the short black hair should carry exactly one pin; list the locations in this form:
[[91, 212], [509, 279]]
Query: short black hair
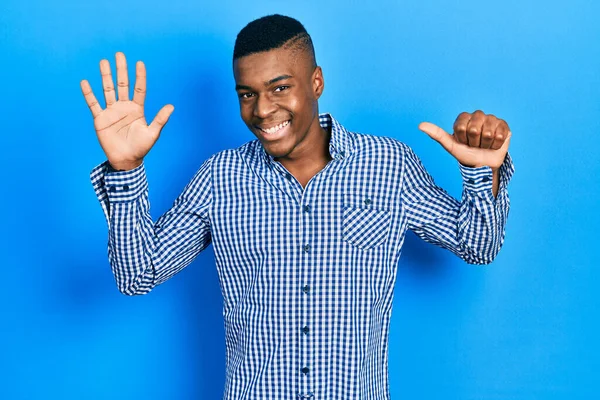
[[272, 32]]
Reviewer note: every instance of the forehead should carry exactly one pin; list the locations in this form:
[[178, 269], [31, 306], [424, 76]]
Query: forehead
[[263, 66]]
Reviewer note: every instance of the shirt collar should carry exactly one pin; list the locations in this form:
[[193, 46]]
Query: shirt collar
[[340, 144]]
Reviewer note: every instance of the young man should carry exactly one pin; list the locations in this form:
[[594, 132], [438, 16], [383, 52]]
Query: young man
[[307, 221]]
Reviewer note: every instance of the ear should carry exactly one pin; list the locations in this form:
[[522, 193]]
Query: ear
[[318, 82]]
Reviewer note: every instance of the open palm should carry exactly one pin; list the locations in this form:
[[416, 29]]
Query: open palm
[[121, 127]]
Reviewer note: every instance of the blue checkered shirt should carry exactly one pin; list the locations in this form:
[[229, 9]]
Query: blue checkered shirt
[[306, 274]]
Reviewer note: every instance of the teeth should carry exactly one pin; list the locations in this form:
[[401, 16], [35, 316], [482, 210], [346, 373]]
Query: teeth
[[276, 127]]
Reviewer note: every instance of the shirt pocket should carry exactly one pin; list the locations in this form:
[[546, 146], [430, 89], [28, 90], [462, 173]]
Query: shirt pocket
[[366, 220]]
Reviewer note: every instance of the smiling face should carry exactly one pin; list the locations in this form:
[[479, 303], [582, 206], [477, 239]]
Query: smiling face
[[278, 91]]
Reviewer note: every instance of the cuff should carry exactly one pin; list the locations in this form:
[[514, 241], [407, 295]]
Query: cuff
[[507, 169], [119, 186], [480, 179]]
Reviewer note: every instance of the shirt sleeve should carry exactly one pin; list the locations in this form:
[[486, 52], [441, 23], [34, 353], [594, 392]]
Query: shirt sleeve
[[143, 254], [473, 228]]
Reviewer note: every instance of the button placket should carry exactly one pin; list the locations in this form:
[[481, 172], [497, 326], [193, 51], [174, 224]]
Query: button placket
[[307, 251]]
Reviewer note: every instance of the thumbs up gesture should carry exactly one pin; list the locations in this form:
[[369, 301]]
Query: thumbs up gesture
[[479, 139]]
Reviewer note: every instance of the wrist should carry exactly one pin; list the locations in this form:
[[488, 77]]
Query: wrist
[[124, 166]]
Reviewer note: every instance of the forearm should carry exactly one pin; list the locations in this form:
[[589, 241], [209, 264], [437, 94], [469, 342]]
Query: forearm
[[124, 200], [472, 228], [144, 254], [484, 206], [495, 182], [484, 213]]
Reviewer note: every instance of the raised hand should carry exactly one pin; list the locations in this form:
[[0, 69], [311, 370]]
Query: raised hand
[[121, 127], [478, 139]]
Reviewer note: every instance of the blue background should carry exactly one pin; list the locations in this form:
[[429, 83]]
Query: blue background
[[524, 327]]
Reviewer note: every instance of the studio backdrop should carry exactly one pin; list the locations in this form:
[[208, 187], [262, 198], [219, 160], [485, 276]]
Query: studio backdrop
[[524, 327]]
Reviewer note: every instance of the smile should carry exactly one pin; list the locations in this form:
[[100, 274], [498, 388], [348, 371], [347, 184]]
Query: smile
[[274, 129]]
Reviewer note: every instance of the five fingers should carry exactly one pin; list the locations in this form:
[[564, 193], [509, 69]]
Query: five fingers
[[480, 130], [110, 96]]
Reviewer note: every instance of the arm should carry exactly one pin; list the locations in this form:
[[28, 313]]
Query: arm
[[473, 228], [143, 254]]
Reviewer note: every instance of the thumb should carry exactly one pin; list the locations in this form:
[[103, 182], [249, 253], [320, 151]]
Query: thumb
[[439, 135], [162, 117]]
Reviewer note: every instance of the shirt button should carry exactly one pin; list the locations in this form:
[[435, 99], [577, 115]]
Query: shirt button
[[306, 208], [305, 330], [288, 177], [306, 248], [305, 370], [112, 188], [470, 181], [306, 289], [485, 179], [125, 187], [367, 201]]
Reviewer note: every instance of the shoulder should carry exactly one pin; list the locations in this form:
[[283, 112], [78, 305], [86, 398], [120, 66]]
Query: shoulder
[[237, 153], [370, 144], [231, 159]]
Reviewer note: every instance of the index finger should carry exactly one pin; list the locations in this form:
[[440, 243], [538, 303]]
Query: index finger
[[90, 99], [460, 127]]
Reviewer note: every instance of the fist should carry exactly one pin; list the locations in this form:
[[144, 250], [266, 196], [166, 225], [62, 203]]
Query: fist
[[480, 130]]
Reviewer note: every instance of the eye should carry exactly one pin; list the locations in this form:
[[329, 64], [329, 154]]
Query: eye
[[281, 88], [245, 95]]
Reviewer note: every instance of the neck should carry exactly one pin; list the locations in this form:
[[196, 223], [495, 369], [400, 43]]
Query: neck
[[313, 158]]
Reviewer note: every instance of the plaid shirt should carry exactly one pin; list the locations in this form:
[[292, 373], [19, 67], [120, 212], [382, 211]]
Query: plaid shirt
[[306, 274]]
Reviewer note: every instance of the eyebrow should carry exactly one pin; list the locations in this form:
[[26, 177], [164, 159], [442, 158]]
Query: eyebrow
[[267, 83]]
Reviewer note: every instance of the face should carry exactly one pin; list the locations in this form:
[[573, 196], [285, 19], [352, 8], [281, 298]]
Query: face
[[278, 92]]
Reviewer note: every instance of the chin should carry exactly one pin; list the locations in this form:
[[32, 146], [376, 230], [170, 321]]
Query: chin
[[279, 149], [277, 153]]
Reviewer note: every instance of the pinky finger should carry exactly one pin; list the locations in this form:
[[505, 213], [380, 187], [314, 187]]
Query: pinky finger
[[161, 119], [90, 99], [500, 136]]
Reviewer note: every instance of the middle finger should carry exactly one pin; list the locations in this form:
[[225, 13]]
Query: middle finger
[[122, 78]]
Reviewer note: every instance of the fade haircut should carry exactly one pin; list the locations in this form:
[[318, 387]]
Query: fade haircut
[[272, 32]]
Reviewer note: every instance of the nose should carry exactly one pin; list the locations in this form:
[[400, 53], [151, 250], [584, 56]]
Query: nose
[[264, 106]]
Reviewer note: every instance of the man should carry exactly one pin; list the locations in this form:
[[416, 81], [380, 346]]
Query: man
[[307, 221]]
